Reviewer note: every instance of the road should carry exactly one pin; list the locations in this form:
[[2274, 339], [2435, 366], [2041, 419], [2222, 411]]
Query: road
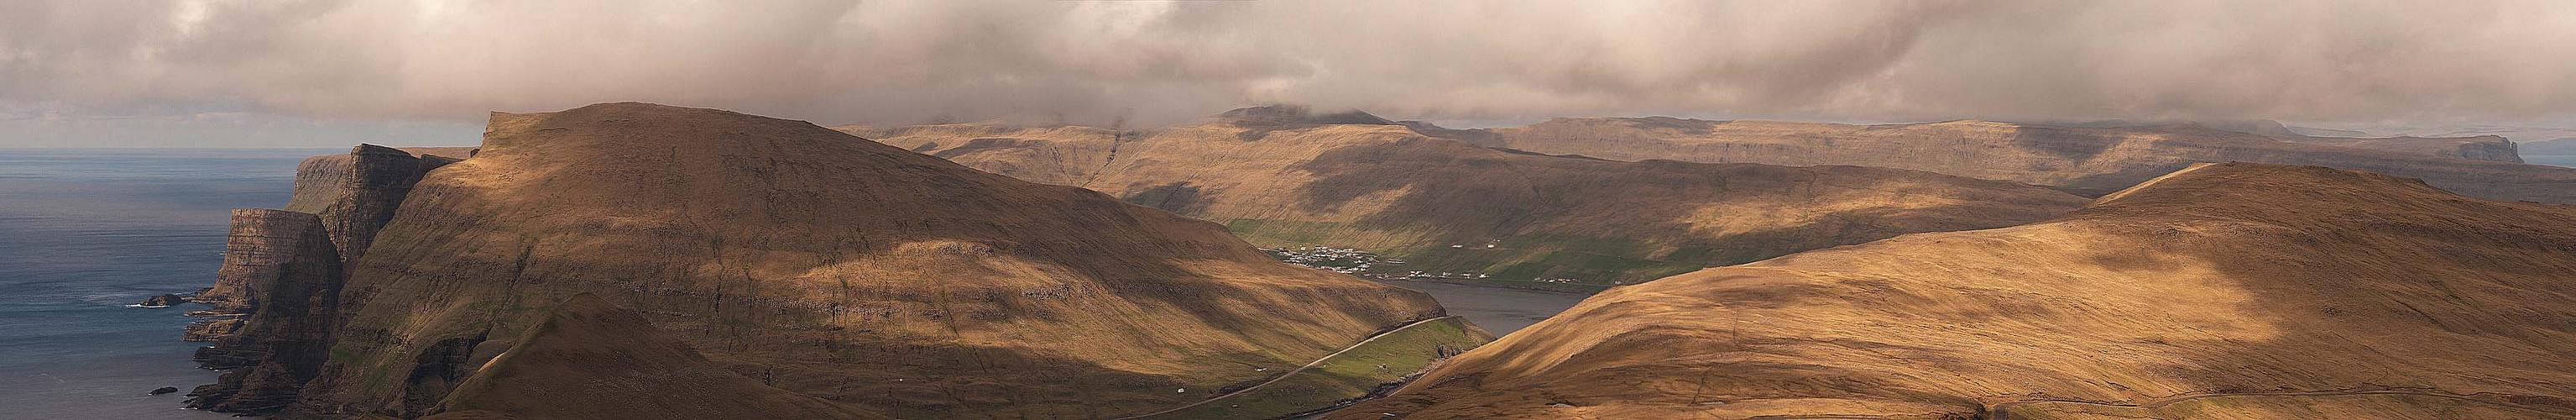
[[1291, 372]]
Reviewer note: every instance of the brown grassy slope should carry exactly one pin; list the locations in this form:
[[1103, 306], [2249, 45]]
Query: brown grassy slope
[[2233, 278], [2095, 159], [829, 266], [591, 359], [1385, 188]]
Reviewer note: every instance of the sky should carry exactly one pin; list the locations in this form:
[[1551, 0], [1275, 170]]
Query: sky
[[323, 73]]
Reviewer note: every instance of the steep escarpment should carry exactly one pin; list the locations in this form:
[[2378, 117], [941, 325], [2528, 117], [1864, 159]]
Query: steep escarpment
[[282, 276], [1501, 216], [2224, 291], [2474, 147], [809, 271], [2486, 148], [321, 180], [262, 243], [2098, 160]]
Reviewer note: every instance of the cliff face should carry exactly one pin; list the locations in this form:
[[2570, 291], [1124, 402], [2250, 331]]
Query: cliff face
[[1284, 180], [262, 244], [2098, 160], [776, 269], [288, 277], [322, 180], [284, 270], [2223, 291], [2486, 148]]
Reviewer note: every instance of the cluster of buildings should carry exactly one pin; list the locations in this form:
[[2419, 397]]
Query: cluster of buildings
[[1366, 264], [1338, 260]]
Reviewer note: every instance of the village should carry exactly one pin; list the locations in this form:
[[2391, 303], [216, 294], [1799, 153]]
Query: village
[[1369, 265]]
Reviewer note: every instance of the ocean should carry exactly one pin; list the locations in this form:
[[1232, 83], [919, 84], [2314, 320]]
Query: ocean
[[2551, 160], [85, 232]]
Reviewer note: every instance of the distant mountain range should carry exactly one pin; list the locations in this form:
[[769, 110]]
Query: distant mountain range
[[2091, 159], [1281, 176]]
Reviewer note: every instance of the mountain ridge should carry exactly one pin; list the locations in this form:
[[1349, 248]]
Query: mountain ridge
[[803, 260], [1446, 206], [2295, 292], [2098, 160]]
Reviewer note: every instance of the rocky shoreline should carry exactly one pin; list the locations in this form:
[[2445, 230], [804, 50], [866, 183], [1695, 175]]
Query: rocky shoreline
[[268, 319]]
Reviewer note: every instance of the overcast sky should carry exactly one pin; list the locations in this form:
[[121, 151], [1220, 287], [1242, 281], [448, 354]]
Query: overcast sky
[[330, 73]]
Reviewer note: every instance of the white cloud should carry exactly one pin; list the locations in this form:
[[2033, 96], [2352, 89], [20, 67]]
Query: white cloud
[[904, 61]]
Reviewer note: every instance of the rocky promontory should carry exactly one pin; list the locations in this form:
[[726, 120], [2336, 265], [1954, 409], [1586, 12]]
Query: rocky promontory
[[276, 296], [645, 261]]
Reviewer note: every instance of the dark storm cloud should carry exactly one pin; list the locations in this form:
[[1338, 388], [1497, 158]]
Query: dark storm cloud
[[901, 61]]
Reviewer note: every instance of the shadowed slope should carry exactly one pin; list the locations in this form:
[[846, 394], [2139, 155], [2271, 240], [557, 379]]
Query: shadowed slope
[[828, 266], [590, 359], [2092, 159], [1282, 181], [2226, 291]]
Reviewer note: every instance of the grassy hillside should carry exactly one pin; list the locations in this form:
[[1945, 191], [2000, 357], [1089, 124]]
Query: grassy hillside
[[1282, 180], [2222, 291], [823, 266], [1376, 365]]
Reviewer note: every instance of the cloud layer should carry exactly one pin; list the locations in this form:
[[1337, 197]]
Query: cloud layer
[[1153, 62]]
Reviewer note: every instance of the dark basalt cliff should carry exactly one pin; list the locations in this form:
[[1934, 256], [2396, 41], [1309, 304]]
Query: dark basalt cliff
[[283, 271], [262, 243], [643, 261]]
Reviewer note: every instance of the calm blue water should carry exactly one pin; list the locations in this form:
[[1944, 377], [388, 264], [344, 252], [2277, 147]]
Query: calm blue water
[[2551, 160], [85, 232]]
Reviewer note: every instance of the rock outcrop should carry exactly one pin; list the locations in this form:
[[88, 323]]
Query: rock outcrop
[[2221, 291], [162, 301], [1280, 177], [322, 180], [260, 246], [282, 342], [283, 273], [2094, 160], [772, 268]]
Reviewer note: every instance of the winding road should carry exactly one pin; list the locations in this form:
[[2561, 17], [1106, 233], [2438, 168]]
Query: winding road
[[1291, 372]]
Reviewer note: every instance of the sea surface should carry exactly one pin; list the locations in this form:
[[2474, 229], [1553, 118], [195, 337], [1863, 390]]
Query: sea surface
[[85, 232], [1499, 310], [2551, 160]]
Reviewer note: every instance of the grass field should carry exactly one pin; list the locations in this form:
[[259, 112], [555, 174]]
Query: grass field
[[1387, 359]]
